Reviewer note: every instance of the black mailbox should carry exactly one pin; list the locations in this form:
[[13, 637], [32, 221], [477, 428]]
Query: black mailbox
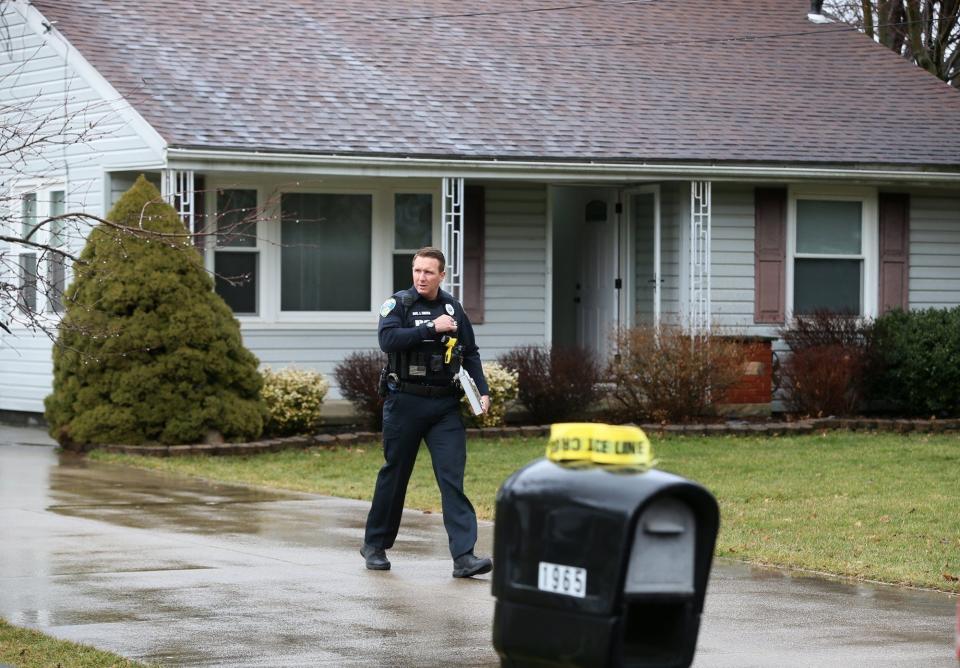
[[600, 566]]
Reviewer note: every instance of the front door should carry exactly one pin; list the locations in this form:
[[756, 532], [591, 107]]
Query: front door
[[596, 294]]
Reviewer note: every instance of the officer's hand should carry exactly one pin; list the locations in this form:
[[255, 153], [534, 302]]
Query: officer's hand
[[485, 403], [445, 323]]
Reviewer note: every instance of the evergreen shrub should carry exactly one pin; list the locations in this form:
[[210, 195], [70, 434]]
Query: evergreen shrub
[[557, 383], [915, 361], [503, 389], [146, 351], [294, 399], [358, 375]]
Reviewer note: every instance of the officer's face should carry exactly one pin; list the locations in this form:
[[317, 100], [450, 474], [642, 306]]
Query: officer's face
[[427, 276]]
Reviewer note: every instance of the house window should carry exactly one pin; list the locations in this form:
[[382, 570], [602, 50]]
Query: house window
[[412, 230], [237, 218], [829, 256], [27, 259], [236, 280], [236, 259], [57, 265], [325, 251]]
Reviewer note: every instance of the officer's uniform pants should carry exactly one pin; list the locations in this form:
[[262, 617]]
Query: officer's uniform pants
[[407, 419]]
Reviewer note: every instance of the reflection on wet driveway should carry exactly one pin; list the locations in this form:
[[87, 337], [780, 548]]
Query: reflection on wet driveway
[[194, 573], [186, 572]]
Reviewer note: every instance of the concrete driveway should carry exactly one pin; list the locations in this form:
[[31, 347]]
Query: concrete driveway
[[186, 573]]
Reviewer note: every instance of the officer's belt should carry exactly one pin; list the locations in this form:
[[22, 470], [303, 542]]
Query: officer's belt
[[429, 390]]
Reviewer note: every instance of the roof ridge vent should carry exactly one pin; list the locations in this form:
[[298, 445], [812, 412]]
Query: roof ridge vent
[[816, 12]]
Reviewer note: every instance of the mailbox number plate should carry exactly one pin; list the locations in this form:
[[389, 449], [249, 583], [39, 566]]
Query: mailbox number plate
[[567, 580]]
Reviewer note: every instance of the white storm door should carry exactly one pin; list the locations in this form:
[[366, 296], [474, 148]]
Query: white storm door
[[646, 276]]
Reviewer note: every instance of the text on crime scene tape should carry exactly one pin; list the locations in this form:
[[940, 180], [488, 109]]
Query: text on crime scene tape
[[599, 443]]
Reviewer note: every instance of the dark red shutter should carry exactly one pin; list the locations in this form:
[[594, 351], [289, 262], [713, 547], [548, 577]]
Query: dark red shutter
[[770, 255], [474, 235], [894, 251]]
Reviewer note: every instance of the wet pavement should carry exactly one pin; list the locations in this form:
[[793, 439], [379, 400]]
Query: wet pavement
[[188, 573]]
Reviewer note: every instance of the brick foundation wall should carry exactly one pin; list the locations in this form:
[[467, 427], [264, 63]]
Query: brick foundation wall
[[755, 385]]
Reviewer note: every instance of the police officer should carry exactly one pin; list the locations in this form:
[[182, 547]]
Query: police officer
[[423, 402]]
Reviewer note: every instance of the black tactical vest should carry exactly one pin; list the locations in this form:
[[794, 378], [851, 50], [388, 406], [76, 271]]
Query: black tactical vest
[[430, 362]]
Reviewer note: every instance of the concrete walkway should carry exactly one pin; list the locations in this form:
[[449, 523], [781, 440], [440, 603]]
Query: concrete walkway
[[186, 573]]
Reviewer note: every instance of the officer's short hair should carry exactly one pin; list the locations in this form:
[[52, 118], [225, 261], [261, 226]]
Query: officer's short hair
[[435, 253]]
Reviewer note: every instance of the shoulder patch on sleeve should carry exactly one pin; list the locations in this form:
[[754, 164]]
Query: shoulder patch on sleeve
[[388, 306]]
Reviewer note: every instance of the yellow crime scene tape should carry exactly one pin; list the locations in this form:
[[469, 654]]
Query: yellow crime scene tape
[[600, 444]]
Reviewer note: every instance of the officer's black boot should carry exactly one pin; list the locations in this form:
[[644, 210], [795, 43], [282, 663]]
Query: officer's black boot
[[468, 565], [376, 558]]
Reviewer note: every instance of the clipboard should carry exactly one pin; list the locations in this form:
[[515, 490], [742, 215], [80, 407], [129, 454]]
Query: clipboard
[[470, 390]]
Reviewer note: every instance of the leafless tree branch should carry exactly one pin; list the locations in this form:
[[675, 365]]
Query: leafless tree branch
[[924, 31]]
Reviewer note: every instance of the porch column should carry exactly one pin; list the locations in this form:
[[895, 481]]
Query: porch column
[[452, 242], [700, 315], [176, 187]]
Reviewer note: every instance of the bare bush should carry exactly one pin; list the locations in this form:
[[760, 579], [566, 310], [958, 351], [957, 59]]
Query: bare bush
[[824, 372], [555, 383], [358, 376], [670, 376], [824, 380]]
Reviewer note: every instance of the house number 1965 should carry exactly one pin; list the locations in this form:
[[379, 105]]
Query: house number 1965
[[559, 579]]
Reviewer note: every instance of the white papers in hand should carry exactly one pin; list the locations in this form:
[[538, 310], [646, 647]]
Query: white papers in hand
[[470, 389]]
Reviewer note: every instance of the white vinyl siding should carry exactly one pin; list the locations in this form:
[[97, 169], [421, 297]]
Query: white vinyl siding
[[319, 350], [25, 373], [34, 74], [515, 284], [732, 257], [934, 251]]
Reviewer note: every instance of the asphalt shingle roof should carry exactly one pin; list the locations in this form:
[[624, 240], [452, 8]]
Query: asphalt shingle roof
[[654, 80]]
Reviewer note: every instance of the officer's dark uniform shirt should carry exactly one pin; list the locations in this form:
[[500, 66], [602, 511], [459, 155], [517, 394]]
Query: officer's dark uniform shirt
[[404, 333]]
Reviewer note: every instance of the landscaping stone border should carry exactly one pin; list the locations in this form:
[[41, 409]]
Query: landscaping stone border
[[730, 428]]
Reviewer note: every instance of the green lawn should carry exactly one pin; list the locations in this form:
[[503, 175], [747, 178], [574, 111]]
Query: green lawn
[[24, 648], [874, 506]]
